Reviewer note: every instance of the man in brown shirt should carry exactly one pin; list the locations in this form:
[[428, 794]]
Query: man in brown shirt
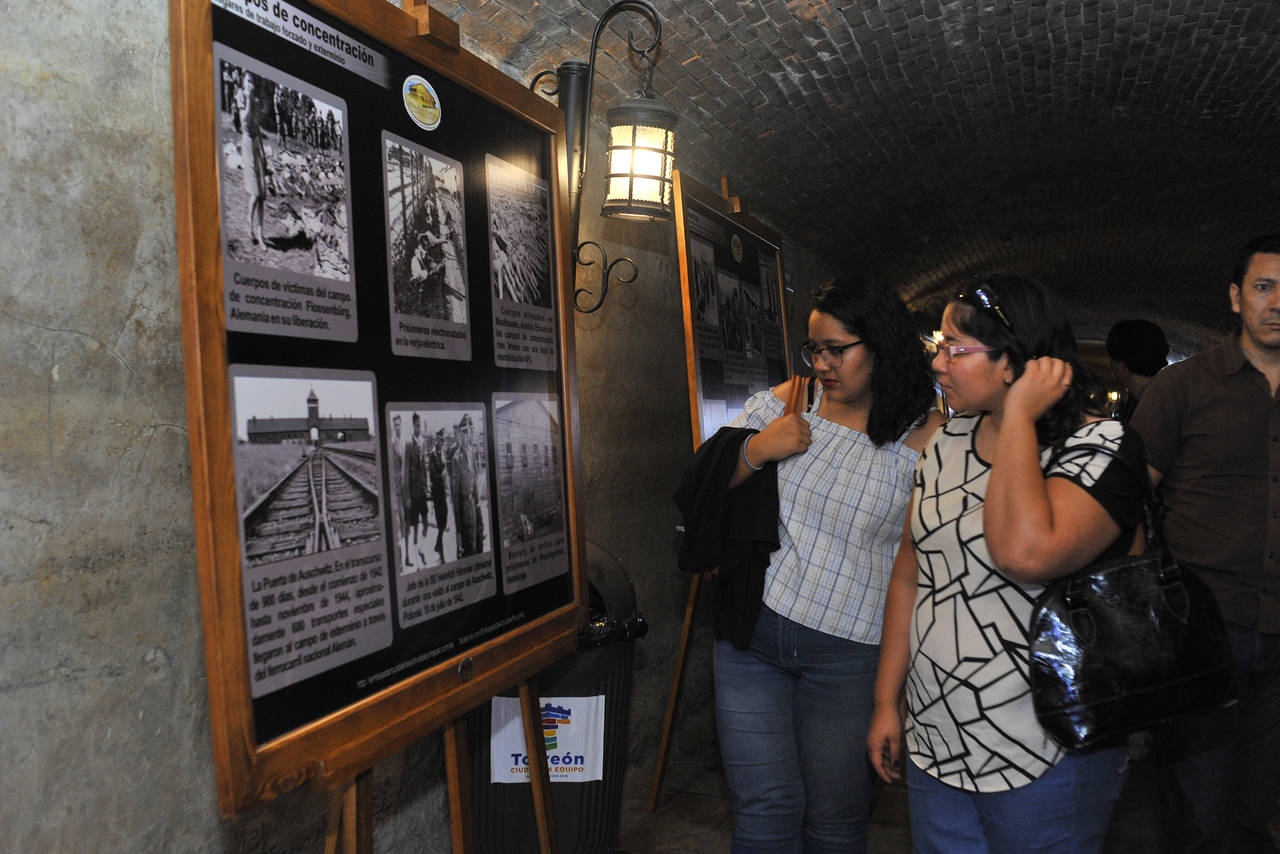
[[1211, 426]]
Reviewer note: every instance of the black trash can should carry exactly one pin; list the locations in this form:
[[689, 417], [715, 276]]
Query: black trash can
[[587, 814]]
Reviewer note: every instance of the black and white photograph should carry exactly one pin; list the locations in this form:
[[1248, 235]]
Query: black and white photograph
[[705, 297], [769, 289], [732, 320], [519, 234], [426, 251], [772, 320], [307, 466], [702, 263], [438, 465], [742, 324], [284, 179], [520, 264], [531, 509]]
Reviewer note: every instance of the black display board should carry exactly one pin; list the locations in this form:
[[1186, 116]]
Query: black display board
[[386, 460], [735, 317]]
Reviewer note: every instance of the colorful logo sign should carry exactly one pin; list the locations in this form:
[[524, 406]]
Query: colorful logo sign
[[421, 102], [554, 717]]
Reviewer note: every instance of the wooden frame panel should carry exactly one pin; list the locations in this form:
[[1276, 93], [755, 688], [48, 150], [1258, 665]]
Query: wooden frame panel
[[710, 230], [338, 744]]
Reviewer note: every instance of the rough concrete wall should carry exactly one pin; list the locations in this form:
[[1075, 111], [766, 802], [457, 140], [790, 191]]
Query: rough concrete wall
[[103, 703], [102, 692]]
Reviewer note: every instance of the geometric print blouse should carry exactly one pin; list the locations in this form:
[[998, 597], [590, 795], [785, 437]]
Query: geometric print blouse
[[970, 722]]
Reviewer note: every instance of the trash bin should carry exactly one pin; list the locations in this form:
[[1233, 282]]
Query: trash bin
[[587, 814]]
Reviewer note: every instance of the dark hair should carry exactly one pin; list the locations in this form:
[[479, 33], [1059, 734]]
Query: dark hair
[[901, 382], [1037, 326], [1139, 345], [1268, 243]]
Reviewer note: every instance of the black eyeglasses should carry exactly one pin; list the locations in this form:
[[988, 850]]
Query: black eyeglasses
[[811, 350], [984, 298]]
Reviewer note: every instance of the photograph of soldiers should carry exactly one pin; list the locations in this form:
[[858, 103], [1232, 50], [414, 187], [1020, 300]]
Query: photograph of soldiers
[[415, 466], [437, 470], [464, 469], [446, 484]]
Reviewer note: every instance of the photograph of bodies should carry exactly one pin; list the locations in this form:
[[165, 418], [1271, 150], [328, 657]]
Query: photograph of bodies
[[520, 265], [520, 234], [437, 459], [426, 251], [284, 181], [527, 443], [307, 466]]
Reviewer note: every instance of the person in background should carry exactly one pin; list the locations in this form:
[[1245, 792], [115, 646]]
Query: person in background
[[463, 486], [1211, 425], [1138, 350], [437, 471], [415, 454], [400, 492], [793, 679], [994, 518], [253, 156]]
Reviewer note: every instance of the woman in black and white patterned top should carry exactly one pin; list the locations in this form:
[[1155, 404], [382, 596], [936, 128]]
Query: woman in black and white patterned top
[[991, 522]]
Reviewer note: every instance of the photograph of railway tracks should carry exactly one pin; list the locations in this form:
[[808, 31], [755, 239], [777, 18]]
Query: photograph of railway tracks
[[519, 234], [439, 470], [283, 172], [426, 242], [306, 461]]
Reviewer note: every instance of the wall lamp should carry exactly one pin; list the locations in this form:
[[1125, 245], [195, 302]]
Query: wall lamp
[[641, 154]]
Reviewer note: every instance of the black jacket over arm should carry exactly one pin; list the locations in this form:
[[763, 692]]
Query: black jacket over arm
[[733, 529]]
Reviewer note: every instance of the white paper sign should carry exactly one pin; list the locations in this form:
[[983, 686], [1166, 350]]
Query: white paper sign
[[572, 728]]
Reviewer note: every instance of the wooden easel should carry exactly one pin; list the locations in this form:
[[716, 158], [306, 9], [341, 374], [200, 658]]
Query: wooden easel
[[669, 720], [350, 827]]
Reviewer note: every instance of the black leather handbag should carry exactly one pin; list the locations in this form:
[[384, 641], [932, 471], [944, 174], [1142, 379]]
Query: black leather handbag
[[1127, 643]]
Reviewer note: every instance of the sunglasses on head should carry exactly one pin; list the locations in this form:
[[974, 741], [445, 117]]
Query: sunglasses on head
[[983, 298]]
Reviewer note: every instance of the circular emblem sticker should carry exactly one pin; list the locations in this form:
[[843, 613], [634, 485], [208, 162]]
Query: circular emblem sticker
[[421, 102], [736, 245]]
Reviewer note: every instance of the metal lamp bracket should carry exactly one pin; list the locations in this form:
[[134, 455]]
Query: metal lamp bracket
[[573, 90]]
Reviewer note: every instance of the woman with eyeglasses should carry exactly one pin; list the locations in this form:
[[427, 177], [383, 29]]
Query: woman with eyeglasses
[[794, 695], [996, 514]]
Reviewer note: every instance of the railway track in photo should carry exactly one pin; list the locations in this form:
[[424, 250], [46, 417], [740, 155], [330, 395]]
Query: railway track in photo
[[325, 502]]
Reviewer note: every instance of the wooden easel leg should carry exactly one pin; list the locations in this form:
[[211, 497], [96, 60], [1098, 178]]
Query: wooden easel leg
[[669, 722], [350, 827], [458, 764], [540, 782]]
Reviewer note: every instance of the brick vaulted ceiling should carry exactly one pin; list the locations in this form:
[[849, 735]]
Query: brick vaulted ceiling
[[1119, 150]]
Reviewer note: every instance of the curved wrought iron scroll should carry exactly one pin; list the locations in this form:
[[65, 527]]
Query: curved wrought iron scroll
[[573, 89]]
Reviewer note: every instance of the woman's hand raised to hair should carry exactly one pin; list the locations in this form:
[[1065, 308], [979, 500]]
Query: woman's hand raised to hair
[[1043, 383]]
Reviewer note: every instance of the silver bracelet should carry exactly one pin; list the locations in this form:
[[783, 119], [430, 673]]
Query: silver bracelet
[[746, 462]]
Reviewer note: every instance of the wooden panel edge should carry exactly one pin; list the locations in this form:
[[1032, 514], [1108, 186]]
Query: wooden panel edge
[[398, 30], [690, 344]]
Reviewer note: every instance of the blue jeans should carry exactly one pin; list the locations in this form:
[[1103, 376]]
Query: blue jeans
[[1064, 812], [1220, 772], [792, 713]]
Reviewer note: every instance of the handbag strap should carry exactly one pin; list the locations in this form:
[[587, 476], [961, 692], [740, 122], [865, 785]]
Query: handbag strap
[[1152, 524], [799, 395]]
